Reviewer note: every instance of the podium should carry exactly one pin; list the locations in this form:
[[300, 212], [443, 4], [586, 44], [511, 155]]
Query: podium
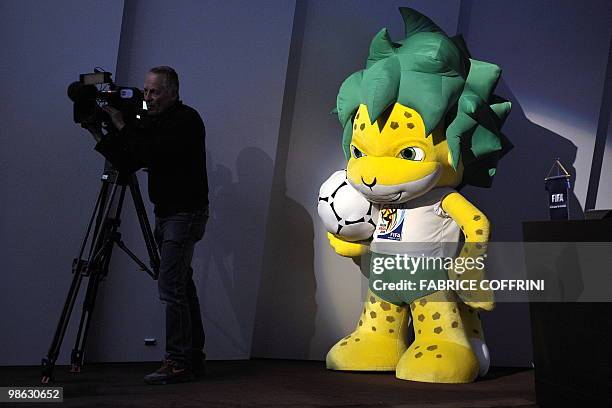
[[572, 342]]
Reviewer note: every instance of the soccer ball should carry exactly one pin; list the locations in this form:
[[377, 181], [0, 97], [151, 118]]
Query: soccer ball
[[344, 211]]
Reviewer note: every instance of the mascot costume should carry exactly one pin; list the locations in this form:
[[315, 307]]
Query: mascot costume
[[420, 121]]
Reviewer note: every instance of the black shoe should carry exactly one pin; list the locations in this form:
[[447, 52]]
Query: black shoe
[[198, 365], [169, 373]]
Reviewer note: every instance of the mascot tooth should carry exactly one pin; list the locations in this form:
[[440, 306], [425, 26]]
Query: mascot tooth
[[420, 122]]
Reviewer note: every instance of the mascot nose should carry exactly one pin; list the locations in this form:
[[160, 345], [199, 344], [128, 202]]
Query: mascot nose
[[370, 185]]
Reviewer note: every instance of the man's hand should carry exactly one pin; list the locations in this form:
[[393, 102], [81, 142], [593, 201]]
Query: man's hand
[[115, 115], [94, 128]]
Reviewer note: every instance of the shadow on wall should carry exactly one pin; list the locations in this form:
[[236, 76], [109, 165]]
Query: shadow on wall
[[518, 195], [286, 307], [233, 248], [518, 191]]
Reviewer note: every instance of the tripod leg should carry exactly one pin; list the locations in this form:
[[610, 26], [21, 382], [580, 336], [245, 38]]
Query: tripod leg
[[145, 226], [76, 357], [48, 363], [104, 235], [98, 268]]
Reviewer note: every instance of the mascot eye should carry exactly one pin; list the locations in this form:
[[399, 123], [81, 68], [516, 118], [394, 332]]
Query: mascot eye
[[412, 153], [356, 152]]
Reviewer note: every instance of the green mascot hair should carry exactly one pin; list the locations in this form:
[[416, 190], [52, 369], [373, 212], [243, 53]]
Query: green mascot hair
[[434, 75]]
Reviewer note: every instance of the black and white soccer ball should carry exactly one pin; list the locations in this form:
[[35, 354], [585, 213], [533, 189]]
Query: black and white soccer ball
[[344, 211]]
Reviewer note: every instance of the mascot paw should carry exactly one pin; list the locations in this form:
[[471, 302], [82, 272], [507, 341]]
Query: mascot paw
[[346, 248], [436, 361]]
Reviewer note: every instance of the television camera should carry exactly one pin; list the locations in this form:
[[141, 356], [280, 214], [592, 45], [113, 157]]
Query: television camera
[[95, 90]]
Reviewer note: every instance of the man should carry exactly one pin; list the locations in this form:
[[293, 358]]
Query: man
[[170, 144]]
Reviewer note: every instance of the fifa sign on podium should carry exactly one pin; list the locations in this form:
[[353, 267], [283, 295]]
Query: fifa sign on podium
[[557, 187]]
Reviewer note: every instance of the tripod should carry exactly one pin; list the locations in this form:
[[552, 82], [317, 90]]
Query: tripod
[[105, 235]]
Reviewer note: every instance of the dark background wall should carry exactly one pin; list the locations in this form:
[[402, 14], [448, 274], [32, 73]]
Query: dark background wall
[[264, 75], [48, 170], [232, 59], [554, 56]]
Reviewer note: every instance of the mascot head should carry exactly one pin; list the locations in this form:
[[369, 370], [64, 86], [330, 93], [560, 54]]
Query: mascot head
[[422, 114]]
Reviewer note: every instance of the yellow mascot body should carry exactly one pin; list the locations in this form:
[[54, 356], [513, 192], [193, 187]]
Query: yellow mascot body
[[420, 122]]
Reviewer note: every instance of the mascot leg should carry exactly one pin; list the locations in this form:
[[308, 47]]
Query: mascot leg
[[378, 342], [441, 352], [473, 328]]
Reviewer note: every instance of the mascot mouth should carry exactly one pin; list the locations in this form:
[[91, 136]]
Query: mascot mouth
[[398, 193], [388, 199]]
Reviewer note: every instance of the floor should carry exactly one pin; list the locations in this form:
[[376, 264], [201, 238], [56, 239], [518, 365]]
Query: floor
[[273, 383]]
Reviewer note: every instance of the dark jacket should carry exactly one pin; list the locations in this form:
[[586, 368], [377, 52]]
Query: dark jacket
[[171, 146]]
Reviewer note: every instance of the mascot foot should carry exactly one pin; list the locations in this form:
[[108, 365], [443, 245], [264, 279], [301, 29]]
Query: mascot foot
[[441, 352], [438, 361], [378, 342]]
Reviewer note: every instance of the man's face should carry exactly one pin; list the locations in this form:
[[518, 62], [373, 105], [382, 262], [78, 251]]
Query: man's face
[[156, 95]]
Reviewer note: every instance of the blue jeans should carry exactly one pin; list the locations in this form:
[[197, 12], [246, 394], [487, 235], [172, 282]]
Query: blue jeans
[[176, 236]]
